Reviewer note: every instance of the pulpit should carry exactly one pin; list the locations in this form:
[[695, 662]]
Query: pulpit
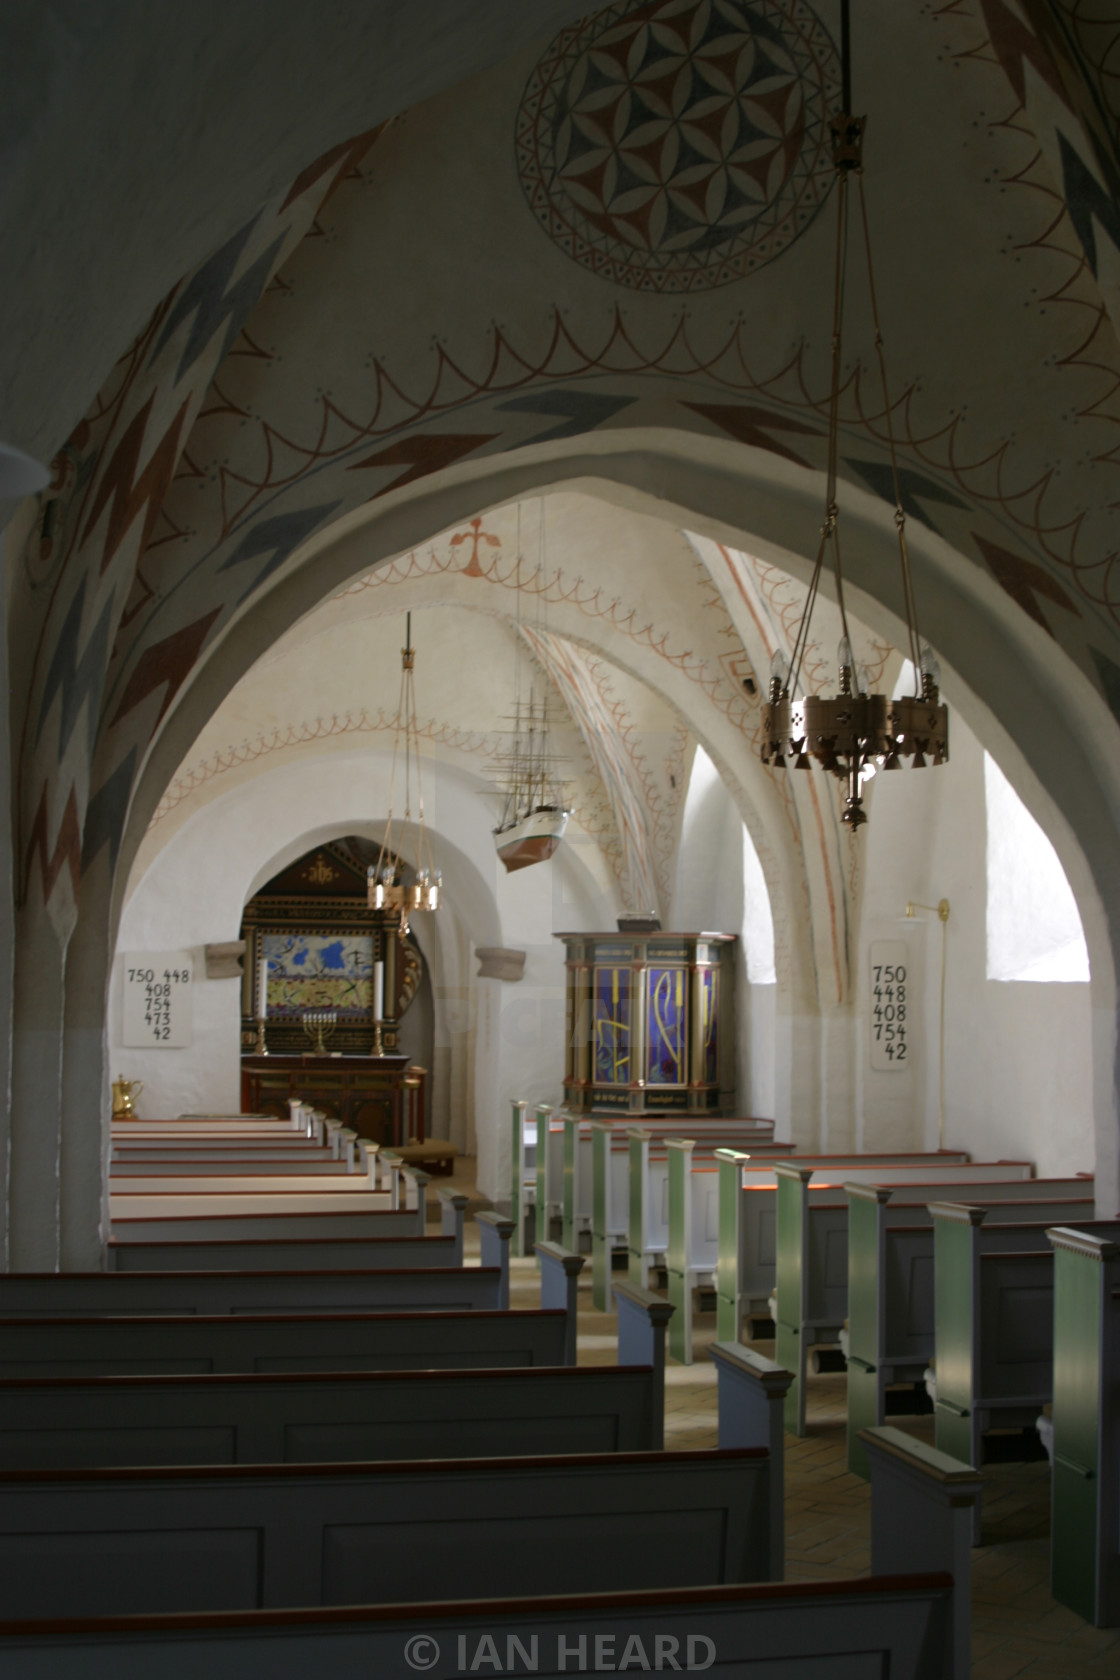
[[379, 1097], [649, 1023]]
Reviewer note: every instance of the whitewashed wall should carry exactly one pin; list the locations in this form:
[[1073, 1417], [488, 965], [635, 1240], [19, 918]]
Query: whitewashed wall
[[493, 1041], [720, 889], [1018, 1062]]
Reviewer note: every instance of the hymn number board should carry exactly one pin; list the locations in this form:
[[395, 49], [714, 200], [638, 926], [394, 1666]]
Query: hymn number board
[[157, 1000], [890, 1014]]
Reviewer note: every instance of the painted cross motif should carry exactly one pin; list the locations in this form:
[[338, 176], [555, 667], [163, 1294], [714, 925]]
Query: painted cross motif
[[475, 535]]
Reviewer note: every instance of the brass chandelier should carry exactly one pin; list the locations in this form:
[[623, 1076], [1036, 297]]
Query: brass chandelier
[[386, 888], [853, 733]]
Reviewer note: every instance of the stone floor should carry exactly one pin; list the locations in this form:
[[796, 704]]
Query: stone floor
[[1017, 1629]]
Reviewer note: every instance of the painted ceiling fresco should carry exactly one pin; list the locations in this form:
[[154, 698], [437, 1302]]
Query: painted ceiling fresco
[[649, 249]]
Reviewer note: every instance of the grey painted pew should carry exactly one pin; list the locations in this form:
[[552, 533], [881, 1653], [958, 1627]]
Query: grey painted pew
[[911, 1626], [313, 1418], [320, 1164], [93, 1345], [1085, 1510], [431, 1289], [240, 1221], [896, 1625], [296, 1254], [129, 1542], [812, 1267], [891, 1285]]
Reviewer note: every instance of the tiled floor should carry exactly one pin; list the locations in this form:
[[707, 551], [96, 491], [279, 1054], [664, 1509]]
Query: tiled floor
[[1017, 1629]]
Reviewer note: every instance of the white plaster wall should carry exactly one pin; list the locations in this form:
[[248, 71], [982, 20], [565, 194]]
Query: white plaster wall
[[1018, 1063], [195, 888], [720, 888]]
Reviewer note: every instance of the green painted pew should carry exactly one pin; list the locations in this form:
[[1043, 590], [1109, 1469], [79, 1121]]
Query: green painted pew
[[812, 1250], [890, 1283], [745, 1273]]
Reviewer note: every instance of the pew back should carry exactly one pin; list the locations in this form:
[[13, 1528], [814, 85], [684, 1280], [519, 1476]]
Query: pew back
[[48, 1423], [128, 1542], [165, 1346], [294, 1254], [849, 1630], [434, 1289]]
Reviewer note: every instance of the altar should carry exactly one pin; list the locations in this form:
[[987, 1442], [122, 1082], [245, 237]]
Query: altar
[[380, 1097]]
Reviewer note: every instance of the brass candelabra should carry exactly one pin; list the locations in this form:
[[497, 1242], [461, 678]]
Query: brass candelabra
[[319, 1025]]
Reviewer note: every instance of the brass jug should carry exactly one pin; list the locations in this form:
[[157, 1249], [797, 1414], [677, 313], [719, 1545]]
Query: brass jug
[[124, 1091]]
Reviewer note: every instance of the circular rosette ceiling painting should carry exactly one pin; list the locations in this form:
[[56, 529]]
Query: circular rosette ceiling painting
[[678, 145]]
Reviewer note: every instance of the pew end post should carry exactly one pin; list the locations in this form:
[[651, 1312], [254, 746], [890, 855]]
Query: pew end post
[[642, 1320], [494, 1234], [956, 1323], [729, 1306], [751, 1398], [452, 1209], [416, 1183], [637, 1245], [792, 1273], [922, 1505], [521, 1197], [866, 1309], [679, 1253], [1085, 1480], [392, 1164], [560, 1270]]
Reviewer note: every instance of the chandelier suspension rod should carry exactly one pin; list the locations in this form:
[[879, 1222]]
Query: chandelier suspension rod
[[909, 598]]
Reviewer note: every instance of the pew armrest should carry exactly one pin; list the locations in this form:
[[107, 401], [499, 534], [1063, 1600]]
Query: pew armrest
[[642, 1321], [494, 1233], [921, 1519], [560, 1270], [752, 1393], [452, 1207]]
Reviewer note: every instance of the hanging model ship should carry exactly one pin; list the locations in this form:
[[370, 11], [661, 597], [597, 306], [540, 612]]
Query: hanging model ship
[[534, 815]]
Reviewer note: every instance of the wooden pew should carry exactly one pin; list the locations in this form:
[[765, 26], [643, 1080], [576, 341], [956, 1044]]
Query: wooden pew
[[135, 1169], [891, 1284], [900, 1625], [911, 1626], [287, 1241], [148, 1343], [1085, 1509], [165, 1346], [138, 1345], [335, 1418], [576, 1182], [813, 1254], [238, 1221], [745, 1272], [630, 1193], [129, 1542], [432, 1289]]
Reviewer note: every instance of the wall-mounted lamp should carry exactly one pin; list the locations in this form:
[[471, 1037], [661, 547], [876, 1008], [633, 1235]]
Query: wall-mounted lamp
[[941, 911]]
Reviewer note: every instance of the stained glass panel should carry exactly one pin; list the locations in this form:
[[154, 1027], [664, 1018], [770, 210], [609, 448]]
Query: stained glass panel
[[708, 981], [612, 1026], [667, 992]]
